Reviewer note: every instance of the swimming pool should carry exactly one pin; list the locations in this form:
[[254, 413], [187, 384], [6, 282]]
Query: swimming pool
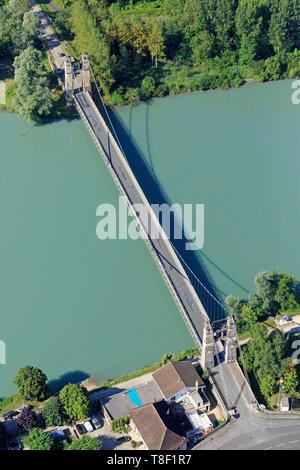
[[134, 397]]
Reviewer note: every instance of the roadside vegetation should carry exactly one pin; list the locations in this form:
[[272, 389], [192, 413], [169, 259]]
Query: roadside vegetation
[[267, 354], [140, 49], [32, 90]]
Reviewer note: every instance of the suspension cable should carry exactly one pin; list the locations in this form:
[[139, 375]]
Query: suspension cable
[[106, 112], [177, 252], [198, 280]]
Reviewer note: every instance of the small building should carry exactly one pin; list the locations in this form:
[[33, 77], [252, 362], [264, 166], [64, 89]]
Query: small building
[[178, 382], [284, 404], [155, 425]]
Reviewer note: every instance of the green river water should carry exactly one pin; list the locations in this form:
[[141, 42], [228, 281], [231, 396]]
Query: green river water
[[76, 306]]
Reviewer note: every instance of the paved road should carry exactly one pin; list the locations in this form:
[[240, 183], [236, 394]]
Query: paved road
[[256, 433], [48, 36]]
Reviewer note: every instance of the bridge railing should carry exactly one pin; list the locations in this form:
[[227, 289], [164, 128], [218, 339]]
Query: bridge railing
[[153, 251], [148, 241]]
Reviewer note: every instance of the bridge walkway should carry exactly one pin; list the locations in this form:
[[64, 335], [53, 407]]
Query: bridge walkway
[[183, 292]]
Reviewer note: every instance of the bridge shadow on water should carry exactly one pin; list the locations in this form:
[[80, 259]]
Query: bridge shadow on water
[[155, 194]]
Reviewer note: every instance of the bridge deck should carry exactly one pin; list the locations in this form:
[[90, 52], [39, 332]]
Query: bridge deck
[[162, 250]]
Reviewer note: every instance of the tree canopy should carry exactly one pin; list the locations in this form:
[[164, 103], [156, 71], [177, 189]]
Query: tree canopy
[[29, 419], [31, 383], [185, 44], [38, 440], [53, 413], [32, 97], [85, 443], [74, 399]]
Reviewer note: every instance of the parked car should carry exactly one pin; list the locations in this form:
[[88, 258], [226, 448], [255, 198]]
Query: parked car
[[10, 414], [14, 444], [123, 439], [88, 425], [58, 434], [81, 429], [285, 319], [95, 421]]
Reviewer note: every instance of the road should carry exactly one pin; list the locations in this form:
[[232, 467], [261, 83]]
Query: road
[[256, 433], [48, 36]]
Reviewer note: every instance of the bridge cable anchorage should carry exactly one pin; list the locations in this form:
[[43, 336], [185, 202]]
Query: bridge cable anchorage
[[106, 112]]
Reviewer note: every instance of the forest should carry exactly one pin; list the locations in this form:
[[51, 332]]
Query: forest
[[141, 48]]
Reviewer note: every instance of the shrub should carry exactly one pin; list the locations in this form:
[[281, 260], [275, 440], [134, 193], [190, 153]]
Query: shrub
[[120, 424], [38, 440]]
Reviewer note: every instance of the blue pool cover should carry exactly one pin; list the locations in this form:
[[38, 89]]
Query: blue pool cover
[[134, 397]]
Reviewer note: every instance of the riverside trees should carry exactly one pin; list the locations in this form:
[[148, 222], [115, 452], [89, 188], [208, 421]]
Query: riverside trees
[[32, 97], [275, 293], [19, 46], [185, 44], [266, 354]]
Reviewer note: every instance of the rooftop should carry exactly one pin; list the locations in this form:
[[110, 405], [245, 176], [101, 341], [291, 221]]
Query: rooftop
[[175, 376], [157, 426], [120, 403]]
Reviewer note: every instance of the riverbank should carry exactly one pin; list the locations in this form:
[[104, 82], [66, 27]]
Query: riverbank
[[144, 50], [15, 401]]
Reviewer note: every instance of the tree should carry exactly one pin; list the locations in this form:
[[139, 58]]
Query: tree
[[284, 29], [31, 383], [264, 354], [29, 419], [266, 287], [155, 40], [290, 380], [85, 443], [235, 306], [148, 87], [38, 440], [202, 46], [268, 386], [273, 68], [286, 292], [74, 399], [53, 412], [249, 315], [32, 97]]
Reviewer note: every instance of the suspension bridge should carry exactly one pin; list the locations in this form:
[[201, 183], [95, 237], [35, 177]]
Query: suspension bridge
[[189, 293]]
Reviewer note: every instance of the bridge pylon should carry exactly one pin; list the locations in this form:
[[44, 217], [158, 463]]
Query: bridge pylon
[[69, 81], [208, 347], [231, 342], [86, 73]]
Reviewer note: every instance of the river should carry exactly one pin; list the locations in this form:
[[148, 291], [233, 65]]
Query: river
[[76, 306], [71, 304]]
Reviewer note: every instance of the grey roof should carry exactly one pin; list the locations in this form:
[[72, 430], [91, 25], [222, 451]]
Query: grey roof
[[119, 404]]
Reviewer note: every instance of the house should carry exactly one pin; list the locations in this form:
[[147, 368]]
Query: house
[[179, 382], [119, 404], [156, 427]]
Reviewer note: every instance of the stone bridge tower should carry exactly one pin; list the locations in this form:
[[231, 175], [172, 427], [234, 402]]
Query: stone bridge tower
[[86, 74], [208, 347], [231, 342], [69, 81]]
